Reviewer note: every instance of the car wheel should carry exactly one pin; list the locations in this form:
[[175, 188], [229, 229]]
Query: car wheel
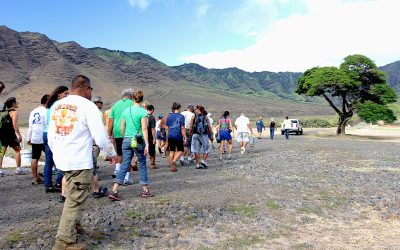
[[297, 132], [301, 132]]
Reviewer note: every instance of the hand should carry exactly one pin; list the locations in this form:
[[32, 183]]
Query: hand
[[112, 160], [154, 141], [146, 150], [19, 138], [29, 142]]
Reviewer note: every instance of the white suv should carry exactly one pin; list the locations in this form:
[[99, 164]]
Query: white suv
[[296, 127]]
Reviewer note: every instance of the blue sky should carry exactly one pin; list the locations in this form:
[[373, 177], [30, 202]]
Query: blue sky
[[254, 35]]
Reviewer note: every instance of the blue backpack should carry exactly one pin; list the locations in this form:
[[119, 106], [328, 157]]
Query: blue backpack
[[200, 125]]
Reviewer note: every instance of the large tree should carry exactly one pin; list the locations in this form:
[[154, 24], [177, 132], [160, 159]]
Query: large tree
[[356, 84]]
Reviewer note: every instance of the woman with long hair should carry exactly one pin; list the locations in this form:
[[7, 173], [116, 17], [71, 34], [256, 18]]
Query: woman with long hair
[[59, 93], [176, 134], [135, 142], [224, 128], [9, 134]]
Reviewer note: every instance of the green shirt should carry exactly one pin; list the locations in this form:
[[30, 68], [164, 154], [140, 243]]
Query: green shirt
[[116, 113], [133, 120]]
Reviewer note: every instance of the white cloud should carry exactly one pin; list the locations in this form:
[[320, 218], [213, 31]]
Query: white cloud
[[202, 10], [141, 4], [328, 32]]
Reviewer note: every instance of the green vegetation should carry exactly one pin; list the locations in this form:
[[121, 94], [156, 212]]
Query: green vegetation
[[372, 112], [272, 205], [244, 210], [135, 214], [356, 84]]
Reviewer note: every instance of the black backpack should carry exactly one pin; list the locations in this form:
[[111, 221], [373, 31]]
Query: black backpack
[[6, 122], [200, 125]]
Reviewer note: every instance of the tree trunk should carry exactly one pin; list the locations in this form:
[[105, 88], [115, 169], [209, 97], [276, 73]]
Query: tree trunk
[[343, 119]]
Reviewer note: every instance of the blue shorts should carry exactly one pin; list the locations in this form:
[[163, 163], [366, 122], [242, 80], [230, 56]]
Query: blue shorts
[[161, 136], [225, 135]]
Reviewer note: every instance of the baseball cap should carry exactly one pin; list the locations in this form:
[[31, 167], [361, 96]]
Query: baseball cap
[[97, 99]]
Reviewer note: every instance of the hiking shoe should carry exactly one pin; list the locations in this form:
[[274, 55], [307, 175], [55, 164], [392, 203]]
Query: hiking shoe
[[114, 197], [204, 164], [2, 173], [199, 166], [147, 194], [61, 199], [229, 157], [114, 175], [80, 229], [62, 245], [21, 171], [37, 182], [127, 182]]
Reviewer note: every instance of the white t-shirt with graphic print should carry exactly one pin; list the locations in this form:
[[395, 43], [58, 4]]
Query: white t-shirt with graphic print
[[74, 124]]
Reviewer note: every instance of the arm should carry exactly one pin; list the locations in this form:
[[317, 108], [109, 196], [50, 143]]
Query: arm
[[153, 132], [29, 133], [183, 131], [250, 128], [209, 126], [145, 134], [110, 126], [191, 125], [97, 131], [123, 125], [14, 117]]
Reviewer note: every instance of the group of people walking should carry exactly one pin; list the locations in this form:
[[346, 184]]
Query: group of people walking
[[69, 127]]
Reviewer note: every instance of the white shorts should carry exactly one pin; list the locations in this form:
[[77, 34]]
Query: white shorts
[[242, 137]]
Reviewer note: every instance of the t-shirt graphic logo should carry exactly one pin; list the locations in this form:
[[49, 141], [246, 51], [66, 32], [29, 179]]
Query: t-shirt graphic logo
[[65, 118], [36, 118]]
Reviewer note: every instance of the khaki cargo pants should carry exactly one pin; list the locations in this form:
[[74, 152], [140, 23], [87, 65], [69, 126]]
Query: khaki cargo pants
[[77, 191]]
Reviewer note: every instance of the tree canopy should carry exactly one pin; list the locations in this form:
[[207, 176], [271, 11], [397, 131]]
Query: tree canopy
[[357, 85]]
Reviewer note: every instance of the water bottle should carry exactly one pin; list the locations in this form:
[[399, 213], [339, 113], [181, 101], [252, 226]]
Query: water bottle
[[22, 143]]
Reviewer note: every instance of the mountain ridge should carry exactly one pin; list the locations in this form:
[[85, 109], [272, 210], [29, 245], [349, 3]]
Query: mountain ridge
[[32, 64]]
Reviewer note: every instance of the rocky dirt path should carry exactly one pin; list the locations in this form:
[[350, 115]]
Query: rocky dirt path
[[305, 193]]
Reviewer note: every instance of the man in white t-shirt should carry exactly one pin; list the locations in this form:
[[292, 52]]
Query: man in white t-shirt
[[243, 126], [37, 124], [75, 123], [188, 114]]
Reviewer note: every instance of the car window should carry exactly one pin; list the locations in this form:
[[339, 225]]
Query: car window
[[293, 121]]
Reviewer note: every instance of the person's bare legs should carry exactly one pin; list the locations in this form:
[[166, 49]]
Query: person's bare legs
[[95, 184], [3, 152], [63, 186], [17, 150], [34, 167]]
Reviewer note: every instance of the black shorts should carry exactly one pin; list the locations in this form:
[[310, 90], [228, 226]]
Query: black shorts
[[118, 145], [175, 145], [152, 150], [37, 151], [9, 140]]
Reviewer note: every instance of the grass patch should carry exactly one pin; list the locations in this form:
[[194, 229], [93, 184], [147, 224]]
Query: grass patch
[[17, 235], [272, 205], [243, 242], [244, 210], [162, 200], [191, 218]]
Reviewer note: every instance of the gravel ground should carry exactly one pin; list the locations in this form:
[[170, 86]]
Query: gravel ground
[[311, 192]]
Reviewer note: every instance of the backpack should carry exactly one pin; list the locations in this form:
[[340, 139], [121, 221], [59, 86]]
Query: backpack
[[6, 122], [200, 125]]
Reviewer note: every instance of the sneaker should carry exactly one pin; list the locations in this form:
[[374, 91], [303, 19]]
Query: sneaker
[[61, 199], [242, 150], [147, 194], [2, 173], [229, 157], [97, 195], [114, 175], [127, 182], [191, 159], [220, 158], [20, 171], [57, 188], [199, 166], [204, 164], [182, 162], [49, 190], [60, 244], [114, 197], [37, 182]]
